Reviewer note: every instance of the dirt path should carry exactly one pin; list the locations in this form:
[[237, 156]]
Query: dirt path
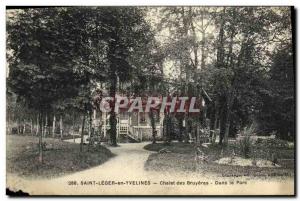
[[127, 167]]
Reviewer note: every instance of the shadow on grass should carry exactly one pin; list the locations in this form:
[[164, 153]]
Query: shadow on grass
[[63, 158]]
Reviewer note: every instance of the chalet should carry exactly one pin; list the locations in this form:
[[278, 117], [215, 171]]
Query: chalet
[[134, 126]]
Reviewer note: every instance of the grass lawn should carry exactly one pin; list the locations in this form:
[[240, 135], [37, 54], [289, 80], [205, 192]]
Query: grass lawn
[[181, 157], [63, 158]]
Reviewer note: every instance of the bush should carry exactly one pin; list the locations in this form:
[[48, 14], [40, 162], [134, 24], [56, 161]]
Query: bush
[[272, 143], [245, 146]]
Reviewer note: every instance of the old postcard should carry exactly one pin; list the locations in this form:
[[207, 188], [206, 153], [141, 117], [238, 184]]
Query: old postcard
[[156, 101]]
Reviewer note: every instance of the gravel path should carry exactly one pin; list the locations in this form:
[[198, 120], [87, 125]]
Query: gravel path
[[127, 168]]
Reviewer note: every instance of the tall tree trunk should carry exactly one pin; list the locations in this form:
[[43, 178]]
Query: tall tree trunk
[[216, 124], [212, 121], [61, 127], [152, 118], [37, 125], [42, 125], [8, 125], [186, 61], [112, 52], [31, 126], [222, 126], [202, 51], [230, 99], [90, 124], [113, 128], [180, 124], [227, 128], [82, 132], [167, 128], [90, 128], [112, 117], [24, 127], [18, 126], [46, 125], [223, 118], [152, 121], [40, 137], [53, 126], [220, 63], [220, 49], [164, 131]]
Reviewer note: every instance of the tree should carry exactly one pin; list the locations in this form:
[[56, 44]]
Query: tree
[[128, 32], [239, 69], [41, 61], [185, 29], [278, 108]]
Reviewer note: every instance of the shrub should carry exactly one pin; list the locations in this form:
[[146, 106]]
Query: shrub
[[272, 143], [245, 144]]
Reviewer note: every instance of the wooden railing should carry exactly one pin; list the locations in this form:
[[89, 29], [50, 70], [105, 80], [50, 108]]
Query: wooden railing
[[134, 132]]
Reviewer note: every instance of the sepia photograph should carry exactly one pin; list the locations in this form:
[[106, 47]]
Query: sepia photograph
[[150, 101]]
